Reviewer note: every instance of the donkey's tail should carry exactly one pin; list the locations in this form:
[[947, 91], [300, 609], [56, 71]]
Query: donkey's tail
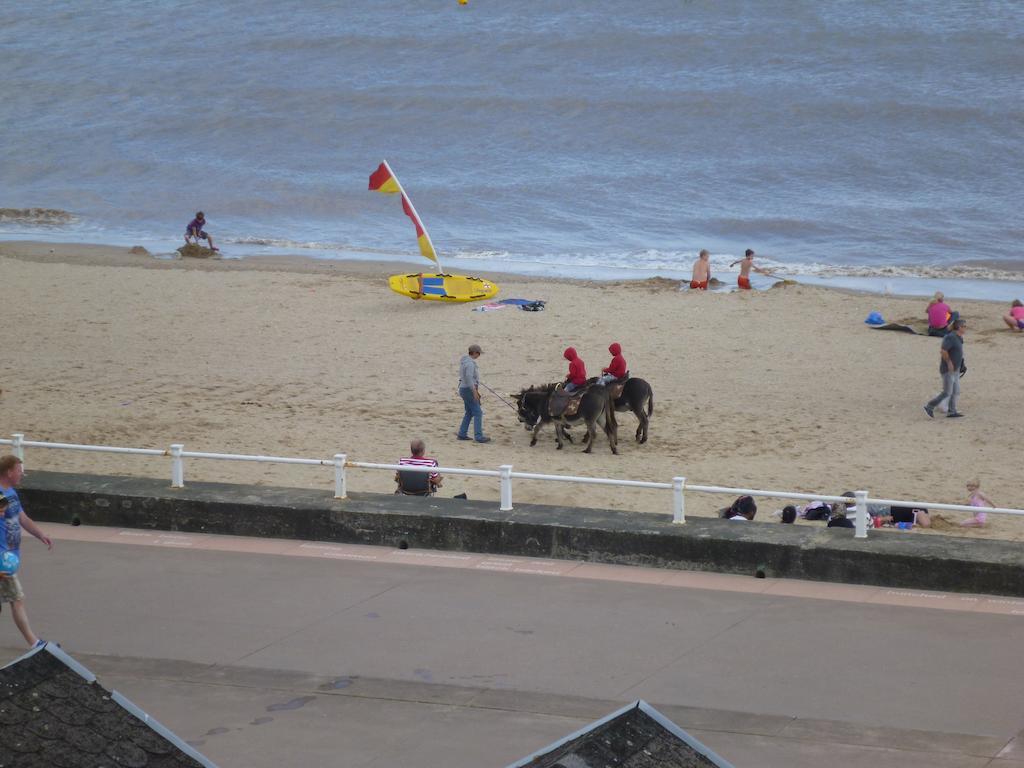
[[650, 402], [609, 418]]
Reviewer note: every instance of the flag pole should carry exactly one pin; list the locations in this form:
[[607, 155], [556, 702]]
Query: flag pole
[[403, 193]]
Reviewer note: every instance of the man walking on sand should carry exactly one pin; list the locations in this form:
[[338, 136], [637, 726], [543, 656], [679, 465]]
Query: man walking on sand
[[747, 264], [469, 391], [951, 357], [12, 520]]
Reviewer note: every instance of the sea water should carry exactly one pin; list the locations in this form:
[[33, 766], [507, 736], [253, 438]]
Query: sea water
[[849, 143]]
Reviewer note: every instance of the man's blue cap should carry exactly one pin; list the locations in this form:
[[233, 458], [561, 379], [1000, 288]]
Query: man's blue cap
[[875, 318]]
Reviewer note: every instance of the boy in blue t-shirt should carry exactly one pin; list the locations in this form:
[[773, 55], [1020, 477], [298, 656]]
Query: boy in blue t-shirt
[[12, 520]]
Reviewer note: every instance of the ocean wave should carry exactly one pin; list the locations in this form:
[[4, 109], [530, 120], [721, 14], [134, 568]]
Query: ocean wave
[[646, 262], [37, 217]]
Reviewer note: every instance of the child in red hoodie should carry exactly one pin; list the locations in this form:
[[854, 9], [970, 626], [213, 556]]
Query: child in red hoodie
[[577, 370], [616, 368]]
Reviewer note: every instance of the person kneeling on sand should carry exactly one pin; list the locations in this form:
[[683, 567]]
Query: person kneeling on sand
[[417, 483], [1015, 320], [940, 316], [195, 230], [701, 272]]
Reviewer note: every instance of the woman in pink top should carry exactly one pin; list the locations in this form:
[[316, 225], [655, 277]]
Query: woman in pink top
[[940, 316], [1016, 317]]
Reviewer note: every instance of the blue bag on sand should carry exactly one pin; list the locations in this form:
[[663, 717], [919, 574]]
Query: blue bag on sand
[[875, 318]]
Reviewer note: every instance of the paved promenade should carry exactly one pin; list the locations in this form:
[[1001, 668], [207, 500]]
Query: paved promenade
[[269, 652]]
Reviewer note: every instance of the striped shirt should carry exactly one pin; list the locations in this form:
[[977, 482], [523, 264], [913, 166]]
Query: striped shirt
[[420, 461]]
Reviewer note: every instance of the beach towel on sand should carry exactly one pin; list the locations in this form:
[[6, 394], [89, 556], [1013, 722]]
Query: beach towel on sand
[[531, 305]]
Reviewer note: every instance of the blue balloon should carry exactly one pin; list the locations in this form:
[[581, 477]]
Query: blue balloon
[[9, 562]]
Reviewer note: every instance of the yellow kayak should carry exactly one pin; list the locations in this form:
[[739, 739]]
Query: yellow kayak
[[435, 287]]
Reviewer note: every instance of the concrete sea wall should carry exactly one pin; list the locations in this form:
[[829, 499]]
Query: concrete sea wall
[[886, 558]]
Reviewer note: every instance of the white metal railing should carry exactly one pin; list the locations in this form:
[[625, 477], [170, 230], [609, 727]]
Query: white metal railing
[[505, 475]]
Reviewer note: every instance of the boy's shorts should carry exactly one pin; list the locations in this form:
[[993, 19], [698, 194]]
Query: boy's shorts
[[10, 590]]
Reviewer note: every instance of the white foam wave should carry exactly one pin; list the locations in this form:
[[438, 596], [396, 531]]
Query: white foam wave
[[644, 263]]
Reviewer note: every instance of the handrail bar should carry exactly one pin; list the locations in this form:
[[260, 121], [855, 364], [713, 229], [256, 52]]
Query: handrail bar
[[93, 448], [414, 468], [505, 474], [951, 507], [249, 457], [772, 494], [593, 480]]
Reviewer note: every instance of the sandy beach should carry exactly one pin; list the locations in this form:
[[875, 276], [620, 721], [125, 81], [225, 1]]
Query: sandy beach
[[782, 389]]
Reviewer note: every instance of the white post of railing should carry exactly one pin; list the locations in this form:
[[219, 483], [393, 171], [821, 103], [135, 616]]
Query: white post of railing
[[506, 487], [678, 502], [340, 491], [177, 466], [860, 523], [16, 445]]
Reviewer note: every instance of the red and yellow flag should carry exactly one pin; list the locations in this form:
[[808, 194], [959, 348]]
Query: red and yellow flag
[[384, 180], [426, 247]]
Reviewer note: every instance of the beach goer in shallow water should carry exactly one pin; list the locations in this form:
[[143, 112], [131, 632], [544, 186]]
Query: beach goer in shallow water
[[951, 357], [978, 499], [616, 368], [194, 230], [701, 272], [469, 391], [577, 376], [940, 316], [747, 264], [1015, 320]]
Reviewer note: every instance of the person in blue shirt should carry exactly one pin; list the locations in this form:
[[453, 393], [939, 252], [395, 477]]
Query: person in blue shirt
[[195, 231], [12, 520]]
